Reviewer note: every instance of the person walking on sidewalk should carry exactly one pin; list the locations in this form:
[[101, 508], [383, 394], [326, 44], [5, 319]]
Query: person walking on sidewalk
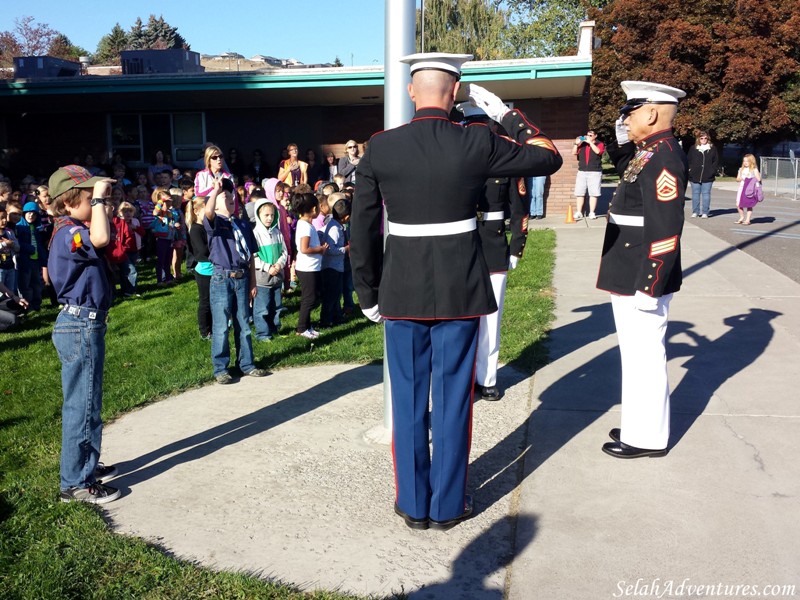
[[589, 153], [703, 164], [432, 284], [641, 261]]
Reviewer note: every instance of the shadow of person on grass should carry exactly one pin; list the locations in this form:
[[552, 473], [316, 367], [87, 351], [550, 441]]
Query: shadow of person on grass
[[200, 445]]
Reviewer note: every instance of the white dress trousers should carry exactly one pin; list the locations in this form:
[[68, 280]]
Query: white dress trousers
[[489, 335], [645, 388]]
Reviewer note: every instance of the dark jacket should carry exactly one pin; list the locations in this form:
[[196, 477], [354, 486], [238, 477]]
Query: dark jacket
[[703, 165], [645, 257], [503, 195], [433, 171]]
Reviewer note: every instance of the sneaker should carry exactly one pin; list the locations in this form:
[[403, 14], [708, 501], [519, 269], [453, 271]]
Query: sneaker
[[103, 473], [592, 215], [694, 215], [311, 335], [96, 493], [703, 216], [224, 378], [257, 373], [314, 332], [577, 216]]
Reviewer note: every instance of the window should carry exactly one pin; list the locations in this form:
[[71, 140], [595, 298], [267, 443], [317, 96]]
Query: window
[[137, 137]]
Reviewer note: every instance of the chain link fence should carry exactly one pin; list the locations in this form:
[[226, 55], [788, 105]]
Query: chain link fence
[[779, 176]]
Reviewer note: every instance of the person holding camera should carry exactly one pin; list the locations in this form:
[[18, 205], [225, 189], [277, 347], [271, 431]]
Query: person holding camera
[[589, 152]]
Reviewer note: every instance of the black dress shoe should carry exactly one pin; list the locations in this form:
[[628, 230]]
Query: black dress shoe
[[490, 392], [621, 450], [445, 525], [615, 434], [411, 521]]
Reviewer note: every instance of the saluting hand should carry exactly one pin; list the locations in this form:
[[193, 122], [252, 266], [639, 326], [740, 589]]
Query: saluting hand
[[492, 105]]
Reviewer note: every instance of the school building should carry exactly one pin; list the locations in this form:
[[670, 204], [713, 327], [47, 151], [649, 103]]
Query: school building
[[49, 121]]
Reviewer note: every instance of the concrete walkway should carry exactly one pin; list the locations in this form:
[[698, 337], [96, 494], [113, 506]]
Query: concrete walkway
[[274, 477]]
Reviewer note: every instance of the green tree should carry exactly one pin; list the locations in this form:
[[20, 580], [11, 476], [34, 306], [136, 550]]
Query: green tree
[[111, 46], [137, 39], [62, 47], [737, 60], [538, 29], [337, 62], [465, 26]]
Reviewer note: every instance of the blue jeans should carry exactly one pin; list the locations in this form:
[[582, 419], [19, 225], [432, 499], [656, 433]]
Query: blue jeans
[[81, 346], [537, 195], [701, 190], [266, 311], [128, 274], [8, 277], [229, 301]]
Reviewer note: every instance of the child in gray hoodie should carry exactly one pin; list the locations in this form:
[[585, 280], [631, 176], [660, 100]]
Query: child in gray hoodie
[[270, 260]]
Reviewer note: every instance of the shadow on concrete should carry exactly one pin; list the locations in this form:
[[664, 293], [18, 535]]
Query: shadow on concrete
[[480, 558], [581, 396], [202, 444], [712, 362]]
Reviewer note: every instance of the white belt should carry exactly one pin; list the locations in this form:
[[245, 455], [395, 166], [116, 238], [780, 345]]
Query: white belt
[[630, 220], [431, 229], [492, 216]]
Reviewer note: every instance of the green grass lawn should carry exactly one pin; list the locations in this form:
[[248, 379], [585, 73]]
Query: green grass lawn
[[49, 549]]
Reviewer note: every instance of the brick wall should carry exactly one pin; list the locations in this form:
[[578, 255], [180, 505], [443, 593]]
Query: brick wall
[[563, 119]]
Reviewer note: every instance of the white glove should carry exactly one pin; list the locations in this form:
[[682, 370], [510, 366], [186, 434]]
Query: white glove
[[512, 262], [621, 131], [644, 302], [487, 102], [372, 314]]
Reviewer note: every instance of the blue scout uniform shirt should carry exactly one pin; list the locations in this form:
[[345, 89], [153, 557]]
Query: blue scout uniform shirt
[[77, 272], [222, 251]]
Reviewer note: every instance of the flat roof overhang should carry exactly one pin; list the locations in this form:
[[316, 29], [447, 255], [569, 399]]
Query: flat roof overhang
[[523, 79]]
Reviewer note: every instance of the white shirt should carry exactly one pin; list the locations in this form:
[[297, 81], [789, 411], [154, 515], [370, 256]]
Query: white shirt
[[307, 262]]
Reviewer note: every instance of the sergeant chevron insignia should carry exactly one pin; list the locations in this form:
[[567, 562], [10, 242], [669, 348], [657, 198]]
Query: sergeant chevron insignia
[[666, 187]]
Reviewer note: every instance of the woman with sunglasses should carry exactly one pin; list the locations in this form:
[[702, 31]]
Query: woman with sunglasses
[[348, 163], [215, 169]]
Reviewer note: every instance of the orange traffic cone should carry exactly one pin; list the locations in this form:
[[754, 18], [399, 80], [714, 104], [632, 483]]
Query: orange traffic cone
[[570, 217]]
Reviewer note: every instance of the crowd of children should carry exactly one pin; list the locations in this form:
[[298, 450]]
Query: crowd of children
[[299, 233]]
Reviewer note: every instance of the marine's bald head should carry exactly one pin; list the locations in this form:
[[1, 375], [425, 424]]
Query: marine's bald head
[[433, 88]]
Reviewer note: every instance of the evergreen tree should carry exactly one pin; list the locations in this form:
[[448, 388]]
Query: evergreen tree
[[136, 37], [111, 45]]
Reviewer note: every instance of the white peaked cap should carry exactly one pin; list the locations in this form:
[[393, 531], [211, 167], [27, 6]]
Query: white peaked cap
[[470, 110], [438, 61], [646, 92]]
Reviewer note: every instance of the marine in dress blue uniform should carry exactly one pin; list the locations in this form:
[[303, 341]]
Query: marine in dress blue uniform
[[641, 261], [503, 198], [431, 283]]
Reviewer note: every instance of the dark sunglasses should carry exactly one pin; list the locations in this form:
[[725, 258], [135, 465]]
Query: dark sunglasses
[[218, 157]]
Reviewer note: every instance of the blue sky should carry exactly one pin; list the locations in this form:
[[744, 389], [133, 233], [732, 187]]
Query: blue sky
[[311, 31]]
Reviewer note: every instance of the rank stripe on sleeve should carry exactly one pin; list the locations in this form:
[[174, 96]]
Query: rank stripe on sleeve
[[666, 187], [544, 143], [663, 246]]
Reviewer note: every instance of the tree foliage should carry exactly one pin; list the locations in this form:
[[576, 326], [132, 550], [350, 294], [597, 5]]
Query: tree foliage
[[157, 34], [28, 38], [465, 27], [111, 46], [538, 28], [737, 60]]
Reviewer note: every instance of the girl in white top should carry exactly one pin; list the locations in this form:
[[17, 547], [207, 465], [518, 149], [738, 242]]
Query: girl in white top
[[309, 260], [743, 204]]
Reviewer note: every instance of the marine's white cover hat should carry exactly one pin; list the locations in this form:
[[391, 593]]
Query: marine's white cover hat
[[470, 110], [639, 93], [438, 61]]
